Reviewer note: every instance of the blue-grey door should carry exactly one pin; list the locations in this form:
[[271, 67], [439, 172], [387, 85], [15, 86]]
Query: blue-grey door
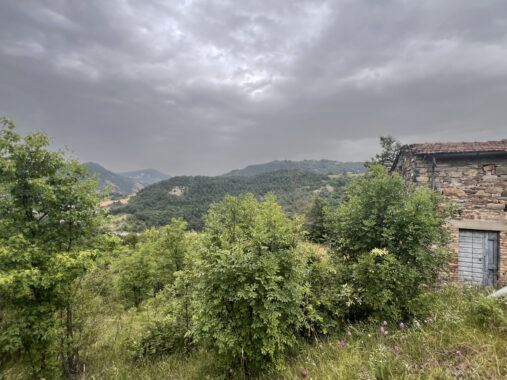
[[478, 257]]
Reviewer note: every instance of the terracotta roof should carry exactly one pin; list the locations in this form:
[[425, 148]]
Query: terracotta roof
[[461, 147]]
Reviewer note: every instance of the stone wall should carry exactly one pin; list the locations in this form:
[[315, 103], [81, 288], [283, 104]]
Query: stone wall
[[478, 186]]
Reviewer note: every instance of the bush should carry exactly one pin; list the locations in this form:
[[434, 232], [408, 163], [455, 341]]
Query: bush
[[385, 286], [488, 313], [249, 283], [392, 239], [325, 298]]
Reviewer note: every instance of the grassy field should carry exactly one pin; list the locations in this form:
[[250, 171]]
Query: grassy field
[[463, 337]]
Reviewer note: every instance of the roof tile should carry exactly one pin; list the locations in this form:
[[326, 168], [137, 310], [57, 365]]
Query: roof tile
[[460, 147]]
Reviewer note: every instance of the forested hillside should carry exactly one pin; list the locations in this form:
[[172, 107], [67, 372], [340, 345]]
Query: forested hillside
[[189, 197], [321, 167]]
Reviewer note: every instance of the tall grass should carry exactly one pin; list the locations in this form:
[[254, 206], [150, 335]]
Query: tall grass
[[457, 319]]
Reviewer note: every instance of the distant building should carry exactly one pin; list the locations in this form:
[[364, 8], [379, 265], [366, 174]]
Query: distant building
[[474, 175]]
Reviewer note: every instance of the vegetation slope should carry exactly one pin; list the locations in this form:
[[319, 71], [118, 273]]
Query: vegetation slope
[[190, 197], [320, 166]]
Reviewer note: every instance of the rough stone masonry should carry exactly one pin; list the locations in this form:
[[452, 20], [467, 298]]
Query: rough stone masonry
[[474, 176]]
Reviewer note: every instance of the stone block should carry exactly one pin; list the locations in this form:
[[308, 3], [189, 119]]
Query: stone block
[[453, 192], [495, 206], [471, 172]]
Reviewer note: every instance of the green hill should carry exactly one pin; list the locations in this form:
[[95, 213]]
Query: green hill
[[119, 183], [189, 197], [321, 167]]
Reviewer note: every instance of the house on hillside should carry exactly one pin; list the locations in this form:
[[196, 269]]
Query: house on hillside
[[474, 175]]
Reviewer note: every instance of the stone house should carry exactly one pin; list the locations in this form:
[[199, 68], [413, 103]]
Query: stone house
[[474, 176]]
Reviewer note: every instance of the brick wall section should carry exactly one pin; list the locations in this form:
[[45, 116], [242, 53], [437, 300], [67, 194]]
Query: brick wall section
[[502, 259]]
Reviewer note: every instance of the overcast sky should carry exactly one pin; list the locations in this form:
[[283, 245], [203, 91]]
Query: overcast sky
[[202, 87]]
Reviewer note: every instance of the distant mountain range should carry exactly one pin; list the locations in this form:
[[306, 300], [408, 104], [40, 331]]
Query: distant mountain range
[[127, 182], [145, 177], [314, 166]]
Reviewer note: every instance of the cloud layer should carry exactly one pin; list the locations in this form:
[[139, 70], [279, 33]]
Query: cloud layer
[[201, 87]]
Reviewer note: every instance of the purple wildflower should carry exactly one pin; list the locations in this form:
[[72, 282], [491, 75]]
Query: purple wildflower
[[382, 329], [435, 362], [304, 373], [385, 323], [490, 360], [342, 342], [396, 348], [458, 353], [431, 320], [418, 324], [320, 345], [340, 346], [402, 325], [230, 370], [386, 332], [425, 321], [349, 333]]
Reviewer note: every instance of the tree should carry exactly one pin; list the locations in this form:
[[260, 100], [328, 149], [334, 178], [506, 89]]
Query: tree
[[315, 220], [390, 148], [151, 265], [49, 211], [249, 283], [395, 230]]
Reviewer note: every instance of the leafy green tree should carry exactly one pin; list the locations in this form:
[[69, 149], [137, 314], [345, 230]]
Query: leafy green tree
[[249, 283], [315, 220], [407, 223], [151, 265], [49, 211], [390, 148]]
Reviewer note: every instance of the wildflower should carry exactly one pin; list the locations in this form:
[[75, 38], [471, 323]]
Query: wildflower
[[490, 360], [433, 315], [435, 362], [340, 346], [230, 370], [396, 348], [385, 323], [382, 329], [403, 337], [386, 332], [425, 321], [304, 373], [458, 352], [402, 325], [431, 320], [418, 324], [349, 333], [342, 342], [320, 345]]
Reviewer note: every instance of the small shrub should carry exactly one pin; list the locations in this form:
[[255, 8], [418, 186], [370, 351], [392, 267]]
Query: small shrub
[[384, 284], [488, 313], [324, 300]]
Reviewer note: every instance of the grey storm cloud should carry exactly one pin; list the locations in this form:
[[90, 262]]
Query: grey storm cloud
[[202, 87]]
